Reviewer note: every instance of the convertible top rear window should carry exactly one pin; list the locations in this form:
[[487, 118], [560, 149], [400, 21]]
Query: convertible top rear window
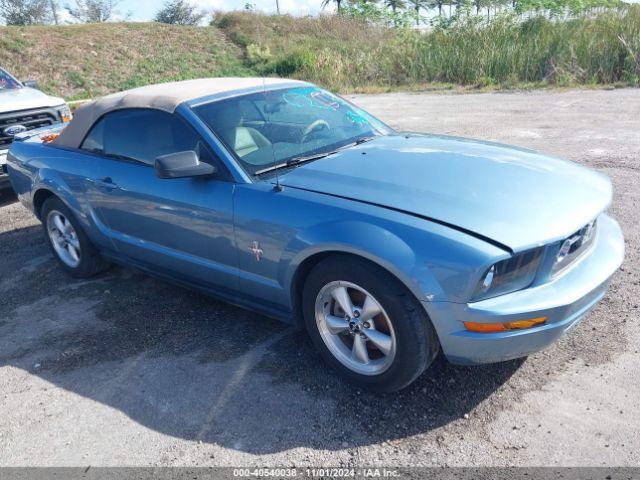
[[275, 127]]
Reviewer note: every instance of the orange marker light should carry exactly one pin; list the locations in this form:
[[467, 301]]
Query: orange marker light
[[484, 327], [49, 137], [504, 327]]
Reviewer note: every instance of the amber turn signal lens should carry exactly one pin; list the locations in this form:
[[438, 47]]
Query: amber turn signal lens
[[49, 137], [504, 327], [526, 323]]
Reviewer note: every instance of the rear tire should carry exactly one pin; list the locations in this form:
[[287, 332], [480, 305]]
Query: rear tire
[[385, 341], [69, 244]]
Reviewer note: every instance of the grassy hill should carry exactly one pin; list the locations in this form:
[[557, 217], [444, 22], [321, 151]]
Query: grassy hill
[[82, 61], [344, 54]]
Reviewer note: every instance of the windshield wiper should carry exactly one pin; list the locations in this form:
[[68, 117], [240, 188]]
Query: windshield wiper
[[309, 158], [362, 140], [296, 161]]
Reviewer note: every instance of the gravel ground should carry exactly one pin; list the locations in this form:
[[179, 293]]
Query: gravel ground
[[127, 370]]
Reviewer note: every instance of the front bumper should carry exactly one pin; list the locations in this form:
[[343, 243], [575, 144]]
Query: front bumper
[[564, 301]]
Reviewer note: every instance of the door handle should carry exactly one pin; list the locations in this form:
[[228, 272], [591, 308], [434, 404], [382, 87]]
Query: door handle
[[106, 184]]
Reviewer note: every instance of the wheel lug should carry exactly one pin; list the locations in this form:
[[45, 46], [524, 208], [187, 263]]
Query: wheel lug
[[356, 313], [366, 325]]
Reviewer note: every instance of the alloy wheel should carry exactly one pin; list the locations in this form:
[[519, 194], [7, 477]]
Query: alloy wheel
[[63, 238], [355, 328]]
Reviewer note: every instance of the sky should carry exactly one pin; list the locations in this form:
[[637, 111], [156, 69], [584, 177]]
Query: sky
[[142, 10]]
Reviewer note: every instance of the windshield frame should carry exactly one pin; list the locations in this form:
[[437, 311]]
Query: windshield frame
[[271, 173], [18, 83]]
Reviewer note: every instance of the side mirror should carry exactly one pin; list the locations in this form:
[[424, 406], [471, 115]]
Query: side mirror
[[182, 165], [31, 84]]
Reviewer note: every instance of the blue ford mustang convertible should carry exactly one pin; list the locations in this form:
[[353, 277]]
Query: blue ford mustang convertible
[[281, 197]]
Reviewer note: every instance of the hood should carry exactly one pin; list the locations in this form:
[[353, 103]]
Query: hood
[[26, 99], [515, 197]]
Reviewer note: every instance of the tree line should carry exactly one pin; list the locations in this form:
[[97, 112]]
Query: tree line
[[404, 12], [389, 12], [39, 12], [43, 12]]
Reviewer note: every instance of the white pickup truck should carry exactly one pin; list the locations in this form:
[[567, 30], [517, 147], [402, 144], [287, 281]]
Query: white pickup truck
[[22, 108]]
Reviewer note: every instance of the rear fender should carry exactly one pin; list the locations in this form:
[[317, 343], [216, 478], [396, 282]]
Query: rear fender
[[51, 181]]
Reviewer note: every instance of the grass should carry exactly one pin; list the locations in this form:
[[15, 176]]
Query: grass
[[83, 61], [340, 53], [348, 55]]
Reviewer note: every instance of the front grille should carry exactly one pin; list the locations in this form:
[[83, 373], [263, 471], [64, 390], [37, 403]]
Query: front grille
[[574, 246], [30, 119]]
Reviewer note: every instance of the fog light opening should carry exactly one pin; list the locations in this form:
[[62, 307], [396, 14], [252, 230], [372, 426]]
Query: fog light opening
[[504, 327]]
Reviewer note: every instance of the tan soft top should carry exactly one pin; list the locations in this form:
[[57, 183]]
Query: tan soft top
[[163, 96]]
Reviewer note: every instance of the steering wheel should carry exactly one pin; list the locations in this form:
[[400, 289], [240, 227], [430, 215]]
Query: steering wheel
[[313, 127]]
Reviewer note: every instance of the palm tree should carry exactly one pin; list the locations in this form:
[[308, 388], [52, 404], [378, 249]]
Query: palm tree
[[326, 3], [395, 4], [417, 5], [436, 4], [54, 10]]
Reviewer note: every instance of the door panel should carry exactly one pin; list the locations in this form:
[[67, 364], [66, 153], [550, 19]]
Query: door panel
[[75, 170], [182, 227], [179, 227]]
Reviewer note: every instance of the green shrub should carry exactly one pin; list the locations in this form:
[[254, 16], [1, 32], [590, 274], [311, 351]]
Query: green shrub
[[296, 63], [258, 55], [346, 53]]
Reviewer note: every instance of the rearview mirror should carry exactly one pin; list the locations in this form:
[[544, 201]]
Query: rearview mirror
[[182, 165], [273, 107], [30, 83]]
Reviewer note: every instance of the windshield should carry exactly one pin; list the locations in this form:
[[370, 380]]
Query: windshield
[[7, 82], [287, 126]]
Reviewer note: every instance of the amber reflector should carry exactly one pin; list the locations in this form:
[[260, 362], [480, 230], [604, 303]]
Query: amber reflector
[[49, 138], [503, 327]]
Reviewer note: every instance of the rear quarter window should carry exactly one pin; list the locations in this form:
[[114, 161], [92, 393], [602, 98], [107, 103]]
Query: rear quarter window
[[94, 142]]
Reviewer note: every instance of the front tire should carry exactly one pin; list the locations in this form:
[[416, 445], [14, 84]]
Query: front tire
[[69, 244], [366, 324]]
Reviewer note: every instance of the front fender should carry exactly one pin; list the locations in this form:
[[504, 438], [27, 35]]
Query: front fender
[[366, 240]]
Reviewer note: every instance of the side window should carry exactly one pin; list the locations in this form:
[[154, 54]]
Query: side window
[[142, 135]]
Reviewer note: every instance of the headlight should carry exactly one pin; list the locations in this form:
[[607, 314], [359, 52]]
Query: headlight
[[509, 275], [572, 247], [65, 113]]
